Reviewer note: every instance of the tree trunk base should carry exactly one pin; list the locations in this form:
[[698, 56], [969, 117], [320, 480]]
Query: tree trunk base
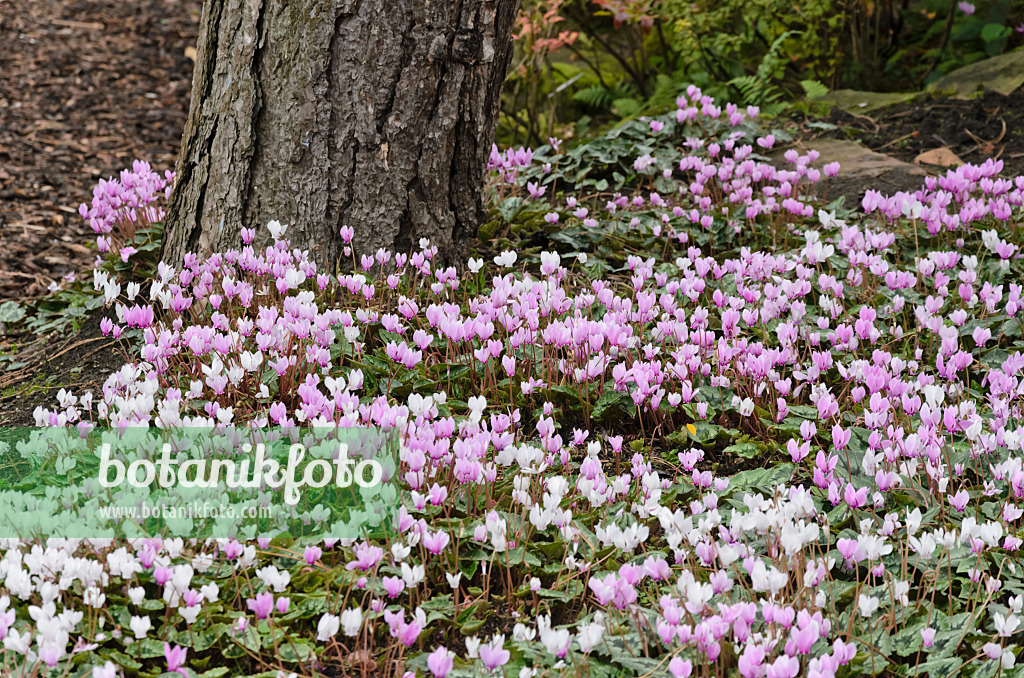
[[374, 114]]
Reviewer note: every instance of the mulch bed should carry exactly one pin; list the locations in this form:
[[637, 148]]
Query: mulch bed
[[991, 126], [86, 87]]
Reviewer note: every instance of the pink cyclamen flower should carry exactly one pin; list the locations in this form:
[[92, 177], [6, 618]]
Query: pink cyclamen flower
[[175, 657], [436, 542], [493, 654], [440, 662], [232, 549], [804, 638], [840, 436], [393, 586], [312, 554], [680, 668], [966, 7], [854, 497], [784, 667], [409, 633], [928, 637], [261, 605], [367, 557], [850, 549], [959, 500], [162, 575]]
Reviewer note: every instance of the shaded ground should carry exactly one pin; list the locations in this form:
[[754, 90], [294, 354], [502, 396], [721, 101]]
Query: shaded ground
[[988, 127], [86, 86], [78, 363]]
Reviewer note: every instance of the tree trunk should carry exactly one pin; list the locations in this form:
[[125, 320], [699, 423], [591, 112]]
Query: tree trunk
[[376, 114]]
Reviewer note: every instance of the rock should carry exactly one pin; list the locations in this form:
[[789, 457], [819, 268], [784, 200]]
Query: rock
[[943, 157], [855, 159], [860, 169], [1003, 74], [854, 101]]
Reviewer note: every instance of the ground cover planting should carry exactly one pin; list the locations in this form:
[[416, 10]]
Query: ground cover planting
[[680, 419]]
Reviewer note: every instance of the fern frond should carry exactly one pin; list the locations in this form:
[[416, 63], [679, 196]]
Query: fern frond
[[595, 96], [750, 87], [813, 89]]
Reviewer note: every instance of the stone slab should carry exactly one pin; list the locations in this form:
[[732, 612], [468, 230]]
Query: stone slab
[[860, 169], [1003, 74], [855, 101]]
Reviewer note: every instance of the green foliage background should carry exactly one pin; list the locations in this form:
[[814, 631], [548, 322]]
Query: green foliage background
[[582, 66]]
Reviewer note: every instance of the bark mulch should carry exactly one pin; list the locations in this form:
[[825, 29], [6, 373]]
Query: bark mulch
[[86, 87]]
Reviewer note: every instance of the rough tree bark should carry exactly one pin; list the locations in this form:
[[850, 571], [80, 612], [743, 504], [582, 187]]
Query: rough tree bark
[[377, 114]]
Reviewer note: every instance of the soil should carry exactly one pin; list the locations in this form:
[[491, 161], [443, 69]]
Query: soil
[[79, 363], [991, 126], [86, 87]]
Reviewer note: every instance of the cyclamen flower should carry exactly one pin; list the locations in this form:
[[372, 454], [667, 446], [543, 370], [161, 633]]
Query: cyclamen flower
[[393, 586], [440, 662], [436, 542], [327, 627], [506, 259], [959, 500], [784, 667], [1005, 626], [261, 605], [493, 654], [107, 670], [175, 659], [276, 229], [680, 668], [854, 497], [867, 605], [367, 557], [556, 641], [312, 554], [352, 621], [140, 626]]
